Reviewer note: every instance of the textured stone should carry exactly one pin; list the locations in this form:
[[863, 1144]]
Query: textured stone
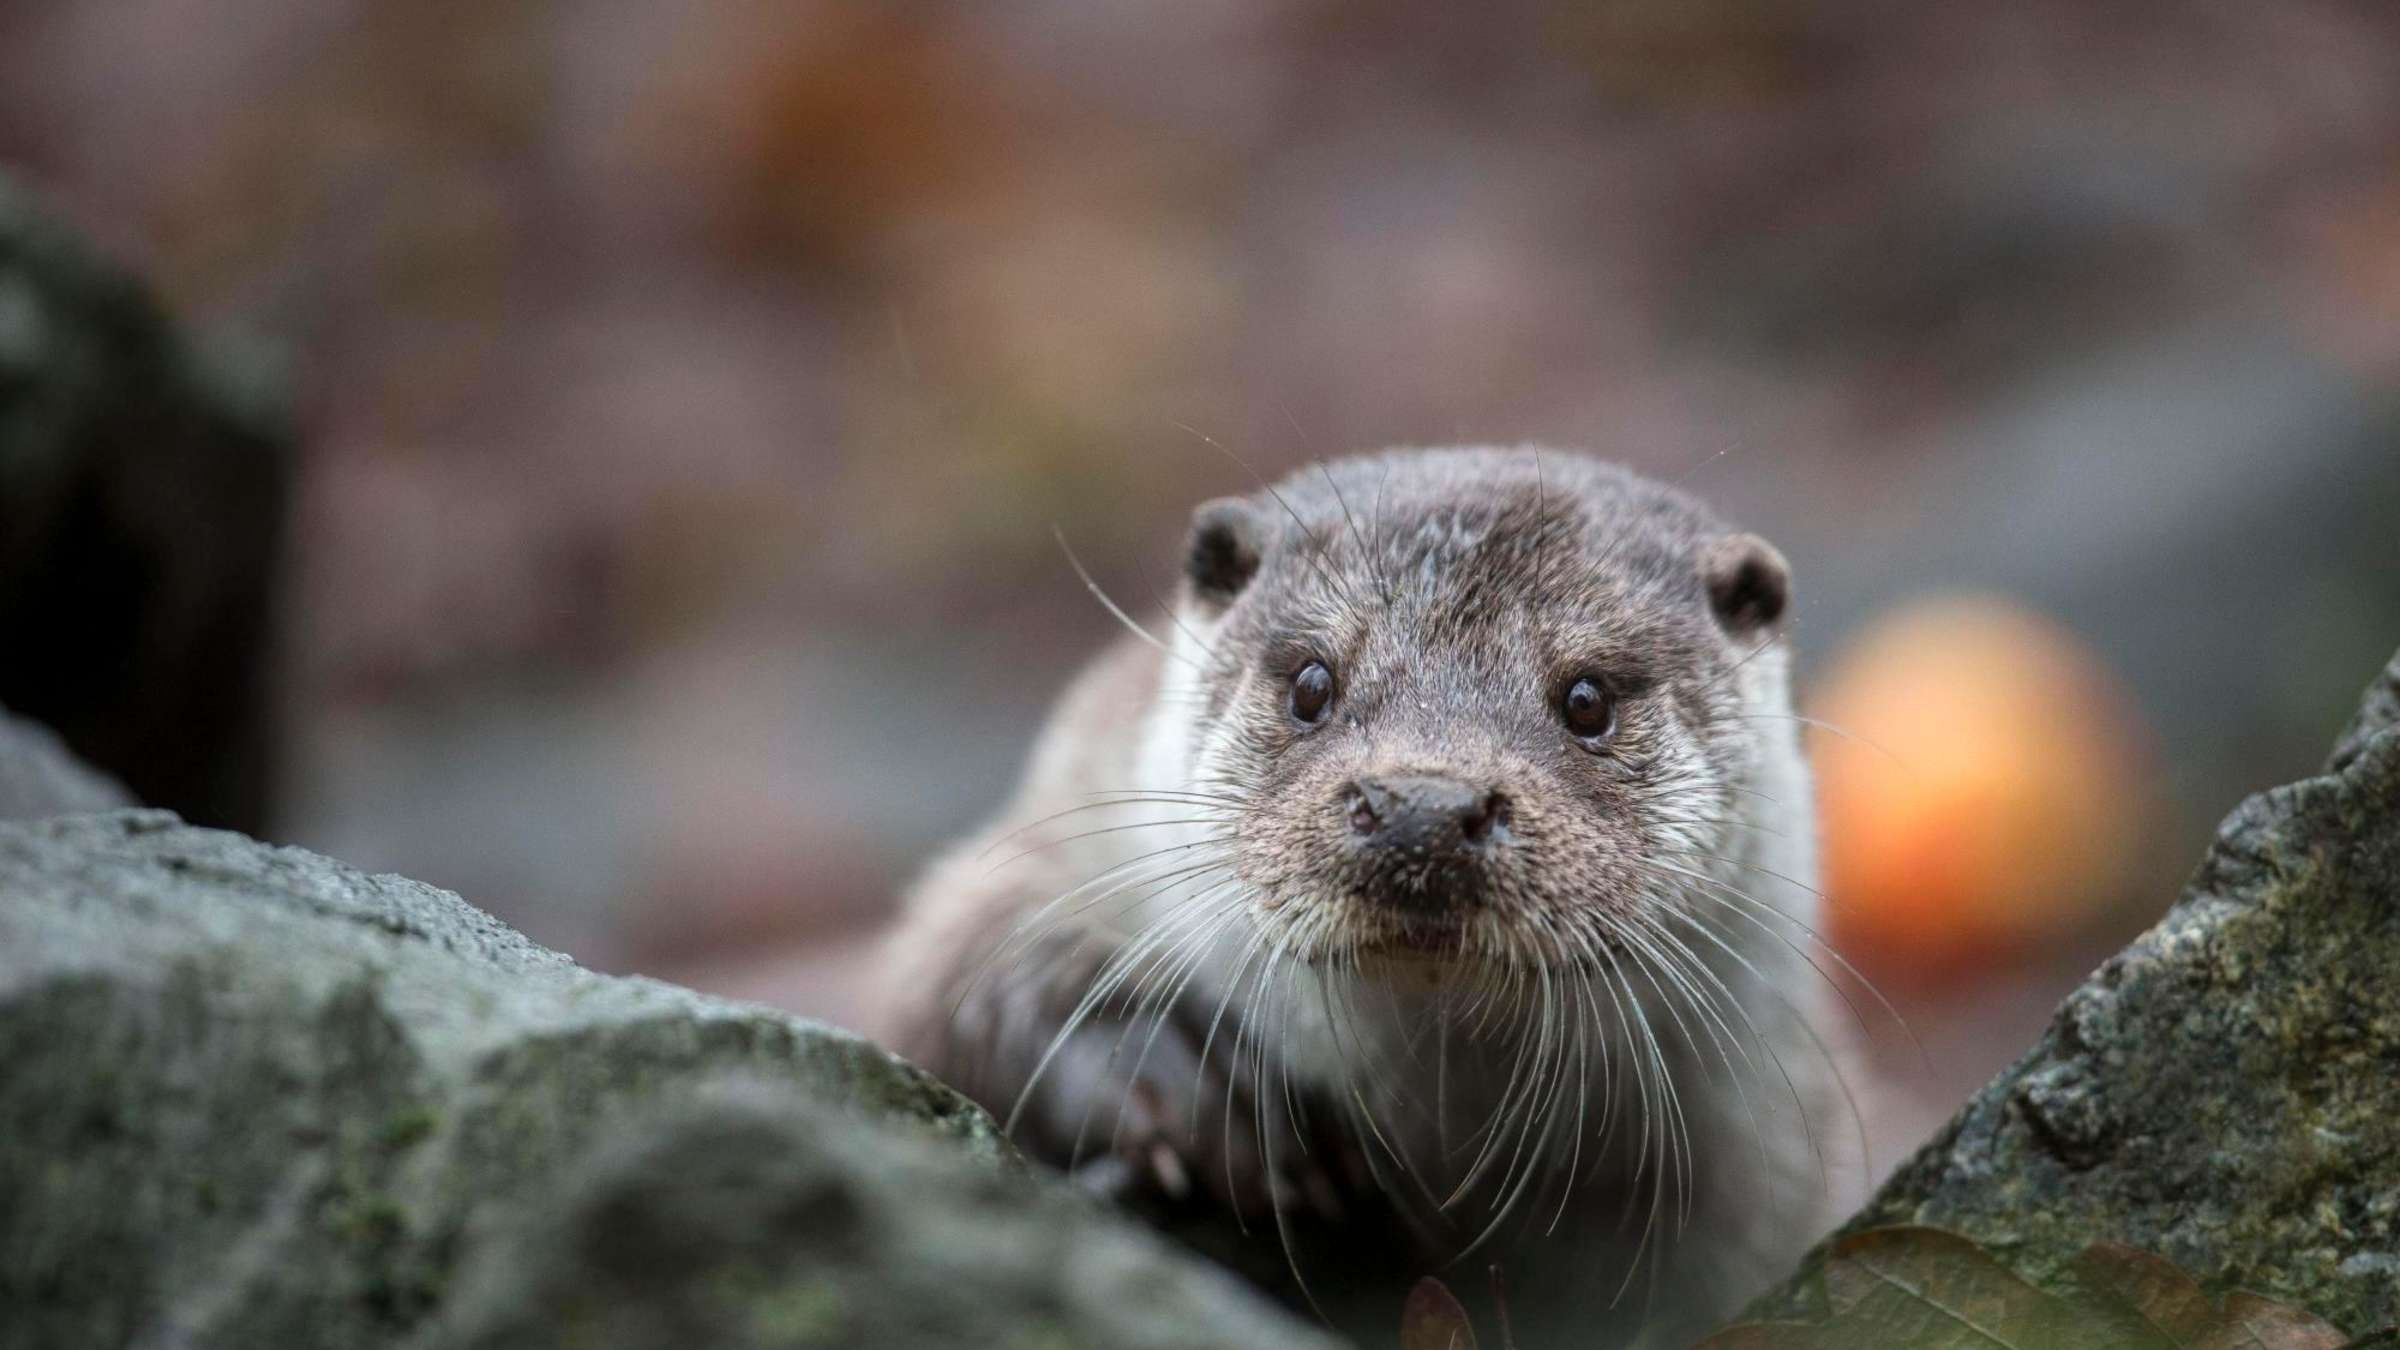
[[2226, 1090], [39, 776], [764, 1220], [253, 1097]]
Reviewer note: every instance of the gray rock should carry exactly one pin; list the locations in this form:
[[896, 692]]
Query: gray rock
[[2226, 1090], [253, 1097], [2378, 711], [39, 776], [143, 482], [765, 1220]]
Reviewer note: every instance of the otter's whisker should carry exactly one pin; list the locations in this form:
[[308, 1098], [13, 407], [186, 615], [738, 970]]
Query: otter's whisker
[[1315, 552], [1189, 793], [1055, 916], [1578, 1017], [1365, 1113], [1709, 994], [1271, 955], [1521, 1170], [1832, 1063], [1654, 1118], [1718, 889], [1768, 644], [1816, 1148], [1105, 830], [1131, 626], [1043, 927], [1831, 951], [1682, 1157], [1266, 1136], [1113, 973], [1178, 964], [1898, 760], [1366, 551], [1233, 982]]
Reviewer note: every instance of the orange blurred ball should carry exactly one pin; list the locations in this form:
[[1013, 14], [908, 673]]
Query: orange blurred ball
[[1978, 784]]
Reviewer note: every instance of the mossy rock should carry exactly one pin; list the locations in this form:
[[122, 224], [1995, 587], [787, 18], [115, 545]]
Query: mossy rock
[[2226, 1090], [254, 1097]]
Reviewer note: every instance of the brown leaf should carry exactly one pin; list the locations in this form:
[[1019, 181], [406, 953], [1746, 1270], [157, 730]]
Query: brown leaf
[[2253, 1323], [1773, 1336], [1924, 1289], [1433, 1319], [2148, 1289]]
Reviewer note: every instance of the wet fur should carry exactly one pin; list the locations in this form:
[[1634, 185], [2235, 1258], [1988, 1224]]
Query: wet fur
[[1160, 966]]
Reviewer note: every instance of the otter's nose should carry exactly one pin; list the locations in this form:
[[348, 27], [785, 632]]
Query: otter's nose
[[1428, 818]]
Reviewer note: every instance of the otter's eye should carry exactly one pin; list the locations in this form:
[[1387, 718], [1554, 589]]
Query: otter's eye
[[1312, 690], [1589, 710]]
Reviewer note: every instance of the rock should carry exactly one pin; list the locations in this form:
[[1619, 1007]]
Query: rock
[[143, 481], [39, 776], [2225, 1091], [766, 1221], [254, 1097], [2377, 712]]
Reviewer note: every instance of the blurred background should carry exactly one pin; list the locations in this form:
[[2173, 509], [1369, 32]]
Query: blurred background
[[686, 395]]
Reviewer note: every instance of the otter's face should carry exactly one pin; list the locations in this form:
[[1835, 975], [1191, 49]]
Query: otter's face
[[1477, 712]]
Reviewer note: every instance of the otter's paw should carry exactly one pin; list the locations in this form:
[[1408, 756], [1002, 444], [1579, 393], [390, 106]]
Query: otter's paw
[[1162, 1126]]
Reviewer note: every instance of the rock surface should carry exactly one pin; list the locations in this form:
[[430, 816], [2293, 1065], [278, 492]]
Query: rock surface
[[2226, 1090], [143, 480], [40, 777], [253, 1097]]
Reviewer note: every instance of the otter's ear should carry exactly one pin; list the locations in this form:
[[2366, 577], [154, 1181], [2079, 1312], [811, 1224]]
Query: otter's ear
[[1224, 550], [1749, 583]]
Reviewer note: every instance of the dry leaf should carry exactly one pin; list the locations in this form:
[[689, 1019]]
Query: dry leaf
[[1924, 1289], [1434, 1319], [2254, 1323], [2149, 1291]]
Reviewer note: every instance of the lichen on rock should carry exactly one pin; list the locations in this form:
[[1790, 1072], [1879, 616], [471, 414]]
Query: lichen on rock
[[2226, 1090]]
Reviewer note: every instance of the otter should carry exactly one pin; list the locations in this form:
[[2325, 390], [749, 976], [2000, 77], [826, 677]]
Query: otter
[[1432, 889]]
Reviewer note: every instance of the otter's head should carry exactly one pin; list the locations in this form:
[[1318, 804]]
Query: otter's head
[[1479, 709]]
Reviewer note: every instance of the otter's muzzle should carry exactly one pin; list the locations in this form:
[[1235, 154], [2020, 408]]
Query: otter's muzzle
[[1425, 842]]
